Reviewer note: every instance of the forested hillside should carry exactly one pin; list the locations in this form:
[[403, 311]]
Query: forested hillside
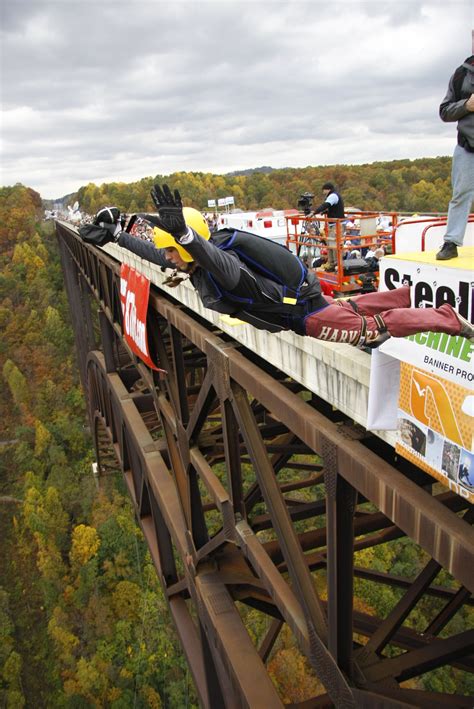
[[82, 618], [83, 622], [402, 185]]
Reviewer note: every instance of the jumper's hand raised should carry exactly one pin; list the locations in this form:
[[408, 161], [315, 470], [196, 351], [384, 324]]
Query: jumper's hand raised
[[170, 209]]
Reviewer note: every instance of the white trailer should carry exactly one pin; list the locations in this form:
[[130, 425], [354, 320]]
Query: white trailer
[[270, 223]]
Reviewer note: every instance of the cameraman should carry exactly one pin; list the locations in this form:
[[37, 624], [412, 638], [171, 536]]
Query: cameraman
[[333, 207]]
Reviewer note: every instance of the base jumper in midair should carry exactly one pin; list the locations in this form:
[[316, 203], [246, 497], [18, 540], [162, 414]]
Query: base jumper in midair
[[228, 284]]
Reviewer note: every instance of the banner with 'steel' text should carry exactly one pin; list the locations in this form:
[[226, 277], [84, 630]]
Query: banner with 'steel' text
[[134, 295], [448, 356]]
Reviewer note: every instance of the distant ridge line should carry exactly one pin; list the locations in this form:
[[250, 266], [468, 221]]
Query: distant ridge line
[[251, 170]]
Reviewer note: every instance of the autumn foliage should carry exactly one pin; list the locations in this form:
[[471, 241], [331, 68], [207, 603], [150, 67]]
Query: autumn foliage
[[83, 622], [422, 185]]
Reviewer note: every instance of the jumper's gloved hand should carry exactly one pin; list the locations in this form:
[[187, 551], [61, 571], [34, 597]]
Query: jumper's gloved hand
[[170, 209], [108, 218], [105, 228], [113, 229]]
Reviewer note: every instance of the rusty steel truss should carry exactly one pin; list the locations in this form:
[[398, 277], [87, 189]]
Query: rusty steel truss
[[225, 458]]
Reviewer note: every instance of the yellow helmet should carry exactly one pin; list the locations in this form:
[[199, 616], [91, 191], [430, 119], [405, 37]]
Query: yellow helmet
[[195, 220]]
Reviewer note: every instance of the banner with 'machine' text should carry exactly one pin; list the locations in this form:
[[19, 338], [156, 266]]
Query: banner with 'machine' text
[[435, 418], [445, 355]]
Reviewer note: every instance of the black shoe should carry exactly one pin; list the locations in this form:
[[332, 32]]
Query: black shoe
[[467, 330], [447, 251]]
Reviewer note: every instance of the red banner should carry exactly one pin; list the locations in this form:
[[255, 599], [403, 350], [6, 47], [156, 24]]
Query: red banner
[[134, 293]]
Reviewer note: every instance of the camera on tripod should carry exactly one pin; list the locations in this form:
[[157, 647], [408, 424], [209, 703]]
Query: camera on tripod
[[305, 203]]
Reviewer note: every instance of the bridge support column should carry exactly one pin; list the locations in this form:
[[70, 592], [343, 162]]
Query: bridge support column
[[107, 336], [79, 304], [341, 500]]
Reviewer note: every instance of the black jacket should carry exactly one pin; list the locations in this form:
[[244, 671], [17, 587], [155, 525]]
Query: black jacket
[[227, 285], [334, 211], [453, 107]]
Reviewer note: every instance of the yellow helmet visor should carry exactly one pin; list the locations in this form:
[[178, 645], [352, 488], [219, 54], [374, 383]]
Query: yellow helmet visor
[[163, 240], [193, 219]]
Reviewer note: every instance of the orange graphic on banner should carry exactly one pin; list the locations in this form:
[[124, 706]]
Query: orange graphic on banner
[[423, 386]]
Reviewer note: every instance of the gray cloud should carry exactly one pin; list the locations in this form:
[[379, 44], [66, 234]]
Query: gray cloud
[[107, 90]]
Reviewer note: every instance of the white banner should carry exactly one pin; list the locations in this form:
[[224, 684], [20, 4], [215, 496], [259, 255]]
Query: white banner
[[384, 386], [435, 389], [447, 356]]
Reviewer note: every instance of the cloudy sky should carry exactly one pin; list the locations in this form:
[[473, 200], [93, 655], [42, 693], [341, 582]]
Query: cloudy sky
[[113, 90]]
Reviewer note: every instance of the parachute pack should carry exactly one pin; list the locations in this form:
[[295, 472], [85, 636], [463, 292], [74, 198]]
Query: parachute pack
[[266, 257]]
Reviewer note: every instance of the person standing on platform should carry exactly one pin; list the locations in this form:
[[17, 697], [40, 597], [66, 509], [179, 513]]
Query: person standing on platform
[[333, 208], [458, 105]]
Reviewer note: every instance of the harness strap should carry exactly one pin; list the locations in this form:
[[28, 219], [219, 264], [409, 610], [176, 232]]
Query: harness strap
[[379, 321], [381, 325], [363, 332]]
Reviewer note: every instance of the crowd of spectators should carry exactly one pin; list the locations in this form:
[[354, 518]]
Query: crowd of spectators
[[212, 220], [140, 228]]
